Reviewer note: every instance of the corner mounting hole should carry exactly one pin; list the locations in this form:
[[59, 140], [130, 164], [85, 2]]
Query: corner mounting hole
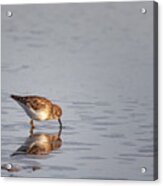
[[143, 10], [9, 166], [9, 13], [143, 170]]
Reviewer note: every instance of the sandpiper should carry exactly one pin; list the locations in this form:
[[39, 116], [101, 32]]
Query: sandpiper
[[39, 108]]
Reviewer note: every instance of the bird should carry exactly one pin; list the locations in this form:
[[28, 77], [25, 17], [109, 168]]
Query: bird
[[39, 108]]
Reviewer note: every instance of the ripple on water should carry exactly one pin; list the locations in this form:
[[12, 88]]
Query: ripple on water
[[125, 159], [115, 136], [72, 143], [128, 109], [61, 168], [92, 158], [146, 150], [146, 126], [82, 103], [77, 148], [123, 117], [106, 123], [129, 144], [99, 129], [69, 133], [4, 112], [148, 140], [135, 155], [111, 112]]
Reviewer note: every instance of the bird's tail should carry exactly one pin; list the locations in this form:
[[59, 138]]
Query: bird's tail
[[17, 98]]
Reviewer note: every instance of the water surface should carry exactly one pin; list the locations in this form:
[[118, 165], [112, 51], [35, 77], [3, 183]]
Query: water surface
[[95, 61]]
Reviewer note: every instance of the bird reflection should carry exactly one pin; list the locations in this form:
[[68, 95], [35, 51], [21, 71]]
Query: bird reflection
[[40, 144]]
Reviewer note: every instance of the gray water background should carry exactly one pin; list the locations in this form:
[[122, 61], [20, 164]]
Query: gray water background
[[95, 61]]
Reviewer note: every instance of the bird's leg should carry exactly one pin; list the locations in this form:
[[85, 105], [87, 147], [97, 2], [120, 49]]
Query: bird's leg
[[60, 131], [32, 127], [31, 131], [32, 124], [60, 123]]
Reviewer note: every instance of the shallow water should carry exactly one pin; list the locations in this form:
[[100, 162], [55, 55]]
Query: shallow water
[[98, 67]]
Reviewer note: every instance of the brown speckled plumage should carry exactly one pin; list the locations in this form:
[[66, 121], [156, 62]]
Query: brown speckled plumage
[[39, 108]]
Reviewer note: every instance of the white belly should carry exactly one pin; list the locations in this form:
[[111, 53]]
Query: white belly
[[35, 114]]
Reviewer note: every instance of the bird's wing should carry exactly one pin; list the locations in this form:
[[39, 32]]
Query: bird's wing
[[38, 103]]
